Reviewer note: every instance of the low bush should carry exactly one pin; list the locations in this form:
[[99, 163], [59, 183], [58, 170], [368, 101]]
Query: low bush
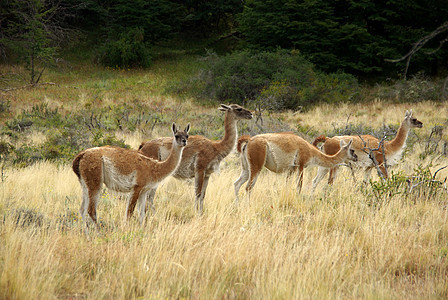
[[129, 50], [416, 89], [274, 80], [65, 135], [5, 106], [421, 184]]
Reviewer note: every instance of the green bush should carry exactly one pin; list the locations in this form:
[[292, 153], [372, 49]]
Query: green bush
[[130, 50], [422, 185], [66, 135], [243, 75], [26, 155], [274, 80], [100, 138], [5, 106], [40, 116], [416, 89]]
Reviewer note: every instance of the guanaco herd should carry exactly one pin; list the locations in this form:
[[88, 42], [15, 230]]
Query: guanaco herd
[[139, 172]]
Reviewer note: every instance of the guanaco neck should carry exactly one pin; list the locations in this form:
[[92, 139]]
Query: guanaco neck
[[170, 164], [226, 145], [327, 161], [400, 139]]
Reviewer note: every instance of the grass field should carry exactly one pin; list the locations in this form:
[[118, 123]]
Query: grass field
[[347, 241]]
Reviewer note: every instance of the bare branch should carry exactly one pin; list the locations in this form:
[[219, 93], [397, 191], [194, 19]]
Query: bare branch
[[417, 46], [435, 173], [372, 155], [438, 48], [27, 86], [414, 186]]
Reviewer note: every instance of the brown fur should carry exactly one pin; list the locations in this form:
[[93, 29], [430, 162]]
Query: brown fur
[[241, 141], [392, 149], [75, 164], [283, 152], [201, 157], [319, 139], [124, 170]]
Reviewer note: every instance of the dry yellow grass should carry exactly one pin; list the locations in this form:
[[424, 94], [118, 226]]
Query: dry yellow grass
[[281, 245], [374, 114]]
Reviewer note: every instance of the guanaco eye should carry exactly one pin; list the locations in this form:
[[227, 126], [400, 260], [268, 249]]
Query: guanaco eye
[[239, 109]]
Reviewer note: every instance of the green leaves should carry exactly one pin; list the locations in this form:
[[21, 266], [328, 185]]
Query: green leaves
[[130, 50], [353, 36], [275, 80], [27, 32]]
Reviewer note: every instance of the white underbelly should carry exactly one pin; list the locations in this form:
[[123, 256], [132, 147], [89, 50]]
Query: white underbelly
[[279, 161], [116, 181]]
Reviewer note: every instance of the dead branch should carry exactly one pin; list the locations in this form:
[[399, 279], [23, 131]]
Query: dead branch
[[435, 173], [414, 185], [438, 48], [427, 181], [418, 45], [435, 137], [27, 86], [373, 158]]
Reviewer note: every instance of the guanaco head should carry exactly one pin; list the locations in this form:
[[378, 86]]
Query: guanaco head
[[237, 111], [347, 147], [410, 121], [180, 137]]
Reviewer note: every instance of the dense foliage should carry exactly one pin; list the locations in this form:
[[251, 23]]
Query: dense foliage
[[350, 36], [274, 80], [354, 36]]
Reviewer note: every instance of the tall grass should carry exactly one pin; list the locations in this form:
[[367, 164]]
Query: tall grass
[[338, 243], [280, 245]]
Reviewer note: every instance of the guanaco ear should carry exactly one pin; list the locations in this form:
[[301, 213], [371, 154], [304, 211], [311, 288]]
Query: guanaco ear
[[350, 143], [224, 107], [344, 144], [408, 114], [174, 128], [187, 129]]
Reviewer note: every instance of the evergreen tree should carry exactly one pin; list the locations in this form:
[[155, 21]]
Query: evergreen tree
[[31, 30], [354, 36]]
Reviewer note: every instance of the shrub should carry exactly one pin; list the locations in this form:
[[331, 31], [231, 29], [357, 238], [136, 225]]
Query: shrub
[[5, 106], [416, 89], [422, 185], [331, 88], [26, 155], [130, 50], [5, 149], [243, 75], [19, 125], [275, 80], [39, 115], [100, 138]]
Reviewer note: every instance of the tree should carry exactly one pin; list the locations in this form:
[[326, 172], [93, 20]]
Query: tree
[[442, 29], [348, 35], [32, 30], [206, 17]]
